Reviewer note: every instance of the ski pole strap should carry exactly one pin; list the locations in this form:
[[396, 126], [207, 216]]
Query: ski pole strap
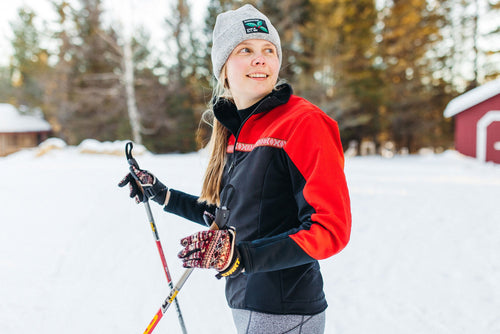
[[219, 221], [222, 212], [221, 217]]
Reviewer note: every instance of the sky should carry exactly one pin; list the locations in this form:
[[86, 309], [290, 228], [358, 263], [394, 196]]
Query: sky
[[149, 13]]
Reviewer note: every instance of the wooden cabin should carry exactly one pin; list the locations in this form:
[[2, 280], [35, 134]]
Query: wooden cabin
[[18, 131]]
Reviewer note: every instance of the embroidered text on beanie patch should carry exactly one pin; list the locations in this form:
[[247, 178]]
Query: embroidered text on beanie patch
[[255, 25]]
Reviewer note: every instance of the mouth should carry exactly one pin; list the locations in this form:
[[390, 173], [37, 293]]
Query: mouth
[[257, 75]]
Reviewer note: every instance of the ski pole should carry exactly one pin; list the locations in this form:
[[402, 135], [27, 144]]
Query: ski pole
[[133, 162], [164, 262], [221, 218], [168, 301], [171, 297]]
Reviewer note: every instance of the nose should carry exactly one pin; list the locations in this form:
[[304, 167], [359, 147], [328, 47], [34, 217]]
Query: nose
[[259, 60]]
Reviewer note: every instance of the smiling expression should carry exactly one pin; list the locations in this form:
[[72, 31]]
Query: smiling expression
[[252, 71]]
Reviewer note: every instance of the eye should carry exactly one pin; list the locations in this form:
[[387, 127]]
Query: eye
[[244, 50], [269, 50]]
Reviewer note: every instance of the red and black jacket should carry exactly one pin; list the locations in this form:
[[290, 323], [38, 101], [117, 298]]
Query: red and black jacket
[[289, 203]]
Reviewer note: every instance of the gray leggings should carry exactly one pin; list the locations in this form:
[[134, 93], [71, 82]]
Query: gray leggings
[[251, 322]]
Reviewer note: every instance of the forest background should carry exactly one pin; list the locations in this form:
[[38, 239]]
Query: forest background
[[383, 69]]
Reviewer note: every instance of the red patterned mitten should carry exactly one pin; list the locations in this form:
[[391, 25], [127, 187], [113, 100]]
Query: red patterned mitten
[[212, 249]]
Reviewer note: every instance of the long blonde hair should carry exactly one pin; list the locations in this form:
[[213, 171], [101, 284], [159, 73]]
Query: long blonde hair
[[217, 145]]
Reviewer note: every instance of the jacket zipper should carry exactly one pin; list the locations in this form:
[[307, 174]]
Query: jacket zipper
[[233, 163]]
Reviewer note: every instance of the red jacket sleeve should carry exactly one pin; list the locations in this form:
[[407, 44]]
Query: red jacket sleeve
[[315, 149]]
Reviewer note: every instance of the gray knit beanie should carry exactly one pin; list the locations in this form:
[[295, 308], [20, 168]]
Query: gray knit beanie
[[235, 26]]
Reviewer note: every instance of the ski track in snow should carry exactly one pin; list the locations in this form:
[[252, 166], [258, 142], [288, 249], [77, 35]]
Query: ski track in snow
[[77, 255]]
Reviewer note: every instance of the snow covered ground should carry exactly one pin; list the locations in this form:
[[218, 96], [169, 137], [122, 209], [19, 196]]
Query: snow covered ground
[[77, 255]]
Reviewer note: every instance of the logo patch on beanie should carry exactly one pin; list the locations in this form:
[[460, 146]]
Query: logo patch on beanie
[[255, 25]]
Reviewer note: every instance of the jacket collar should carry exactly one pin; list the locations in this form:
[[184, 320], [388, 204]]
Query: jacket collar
[[226, 112]]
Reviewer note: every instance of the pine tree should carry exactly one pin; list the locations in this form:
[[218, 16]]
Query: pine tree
[[29, 63], [290, 18], [473, 29], [338, 48], [173, 125], [6, 90], [357, 83], [57, 90], [492, 54], [98, 104], [411, 29]]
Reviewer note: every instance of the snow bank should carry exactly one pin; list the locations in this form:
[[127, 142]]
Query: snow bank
[[49, 145], [88, 146], [117, 147]]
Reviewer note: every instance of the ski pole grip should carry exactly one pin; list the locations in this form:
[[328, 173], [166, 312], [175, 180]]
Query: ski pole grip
[[128, 153]]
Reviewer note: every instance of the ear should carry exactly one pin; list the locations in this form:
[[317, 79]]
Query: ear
[[223, 76]]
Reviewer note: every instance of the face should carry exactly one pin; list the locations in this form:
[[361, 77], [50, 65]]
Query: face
[[252, 71]]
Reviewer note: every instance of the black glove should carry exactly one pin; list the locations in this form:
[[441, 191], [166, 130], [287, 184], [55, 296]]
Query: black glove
[[144, 185]]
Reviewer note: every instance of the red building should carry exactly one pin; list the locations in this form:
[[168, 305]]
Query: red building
[[477, 122]]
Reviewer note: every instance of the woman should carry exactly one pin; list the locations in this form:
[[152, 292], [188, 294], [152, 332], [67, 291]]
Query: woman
[[274, 184]]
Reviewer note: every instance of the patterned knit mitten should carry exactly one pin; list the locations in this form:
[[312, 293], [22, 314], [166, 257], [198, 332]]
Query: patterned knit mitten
[[212, 249]]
